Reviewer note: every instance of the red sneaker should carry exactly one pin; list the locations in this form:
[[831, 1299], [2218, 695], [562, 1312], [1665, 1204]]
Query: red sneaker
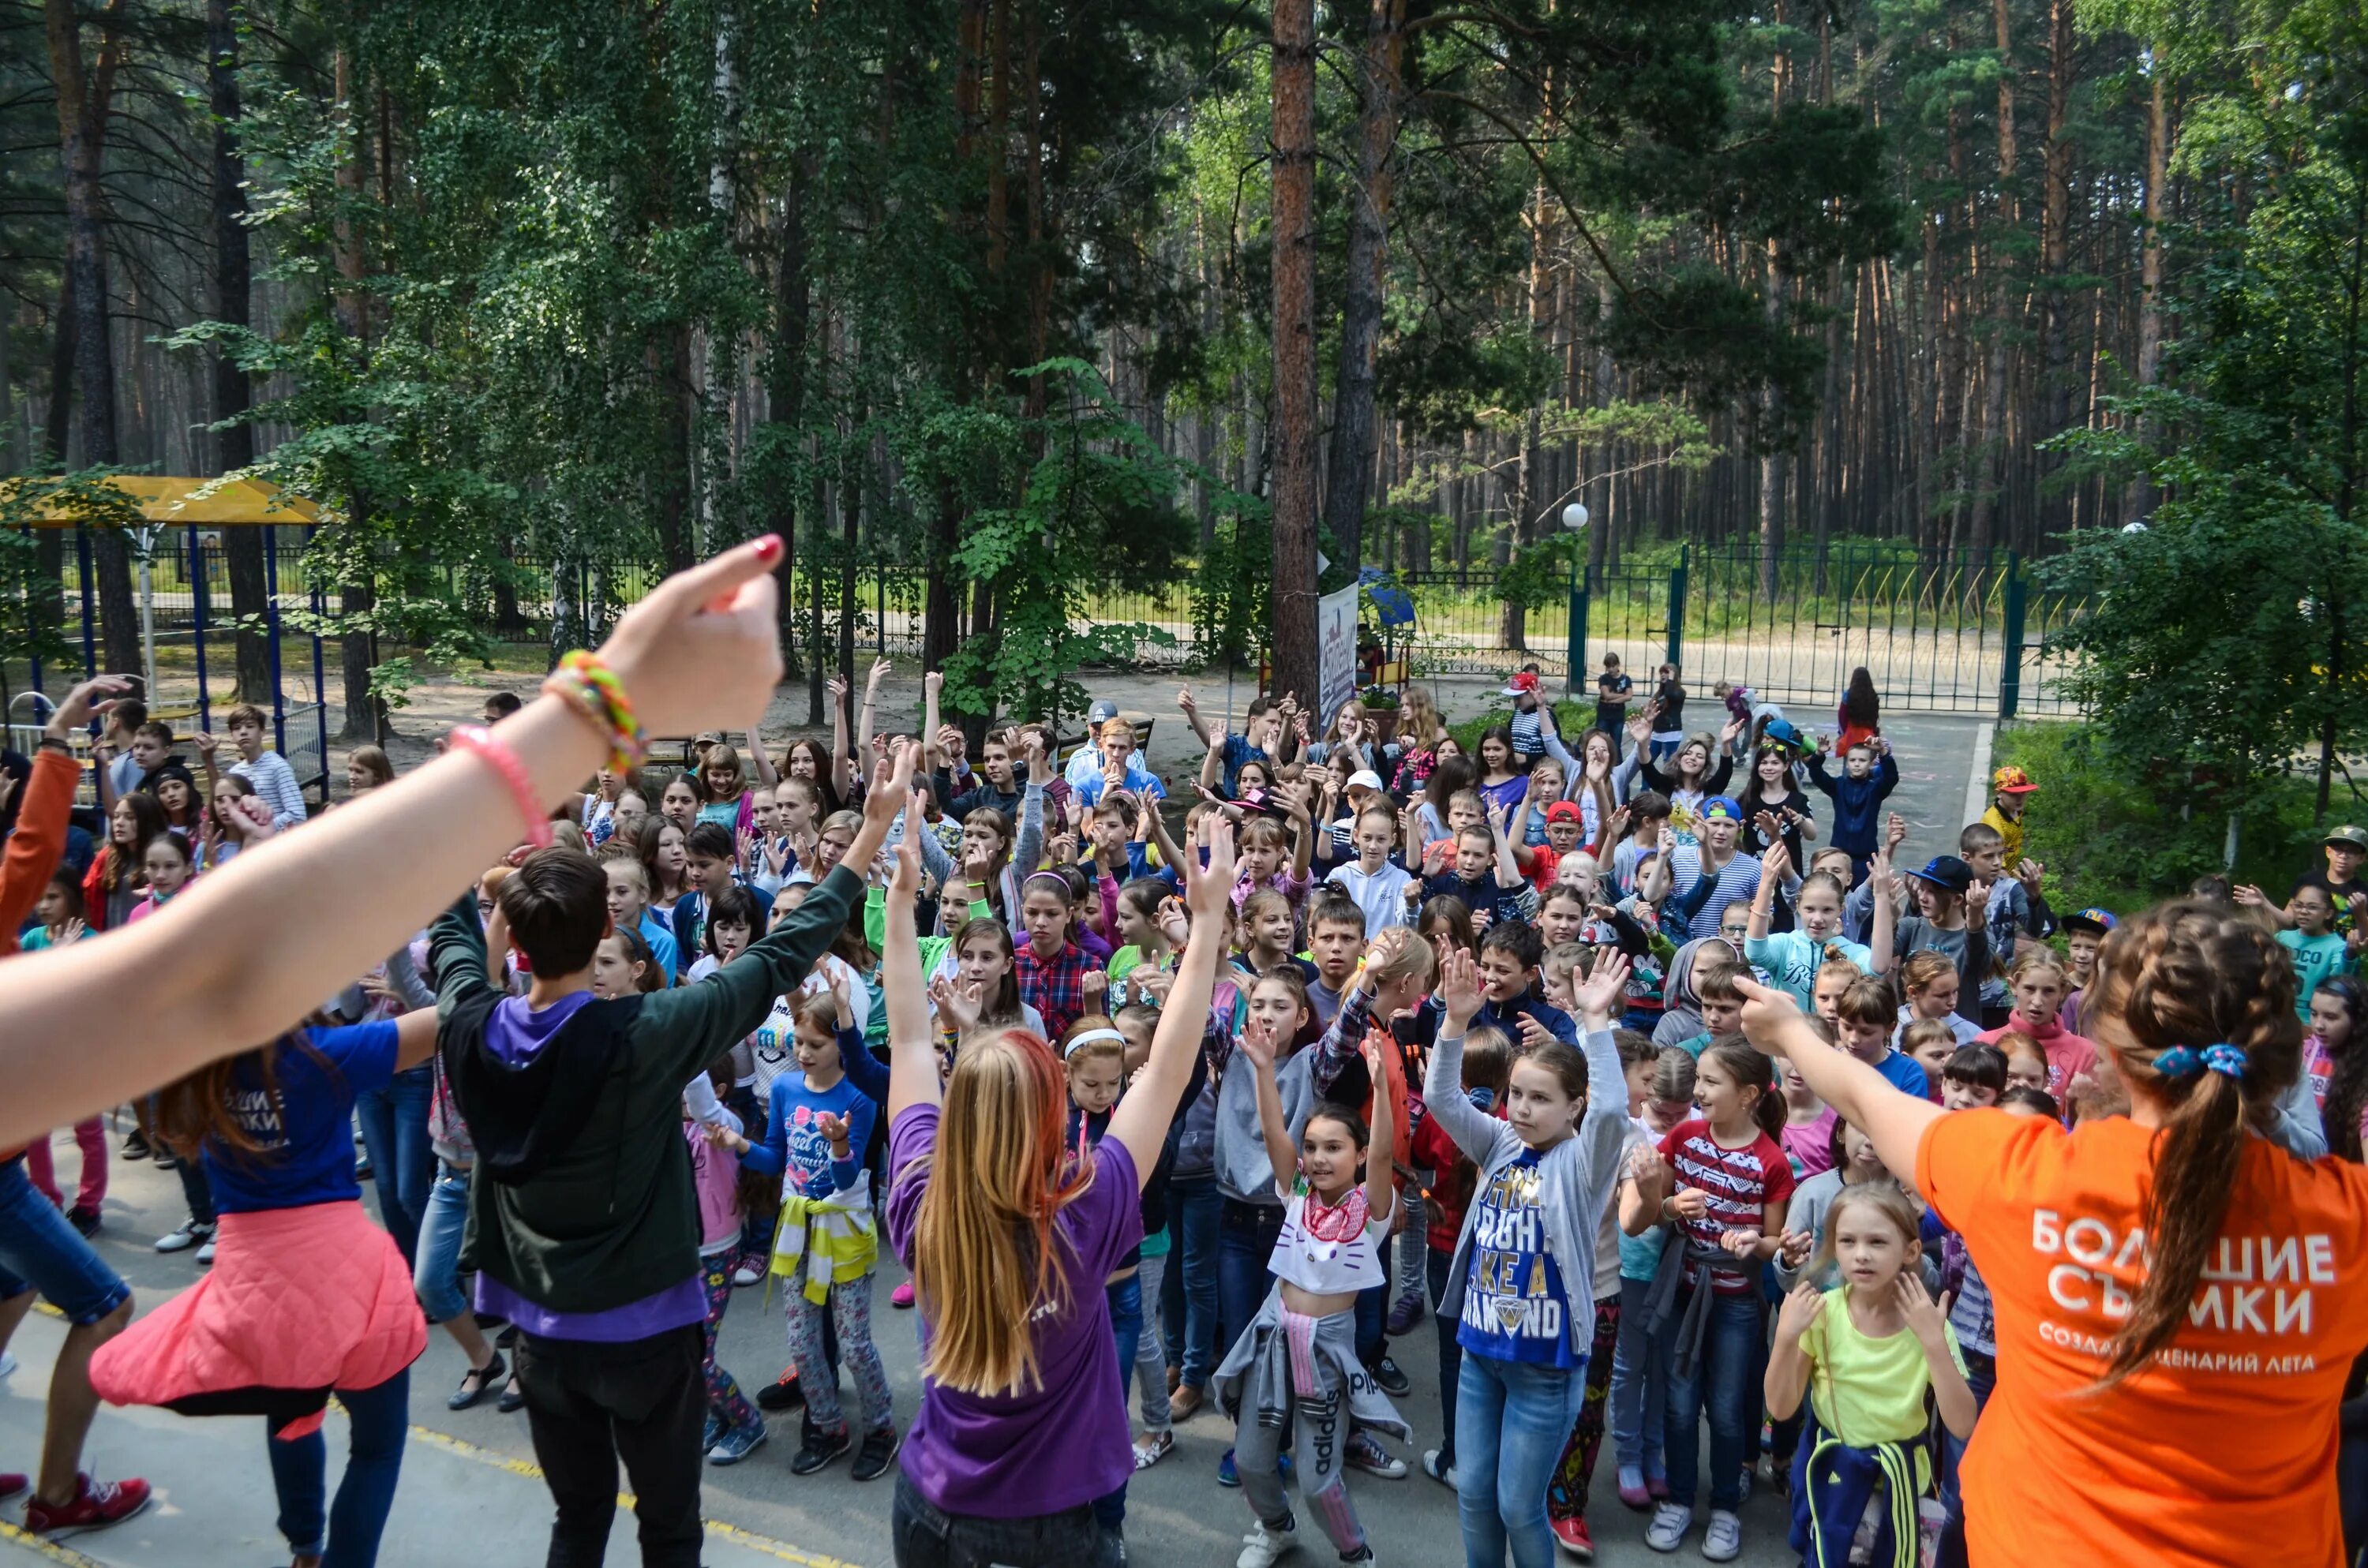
[[11, 1483], [1574, 1539], [95, 1506]]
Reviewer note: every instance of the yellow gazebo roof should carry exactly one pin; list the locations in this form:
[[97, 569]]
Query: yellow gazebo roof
[[168, 500]]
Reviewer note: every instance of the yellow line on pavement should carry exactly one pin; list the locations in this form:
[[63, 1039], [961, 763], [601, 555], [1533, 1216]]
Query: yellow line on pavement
[[717, 1528], [54, 1551]]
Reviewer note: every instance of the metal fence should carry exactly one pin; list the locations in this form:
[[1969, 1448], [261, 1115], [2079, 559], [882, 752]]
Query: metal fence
[[1960, 632]]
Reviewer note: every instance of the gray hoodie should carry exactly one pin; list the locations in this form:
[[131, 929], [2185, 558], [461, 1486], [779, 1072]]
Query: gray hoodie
[[1682, 1021], [1575, 1178]]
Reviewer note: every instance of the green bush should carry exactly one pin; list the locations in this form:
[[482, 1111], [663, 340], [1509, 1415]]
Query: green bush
[[1572, 718], [2123, 843]]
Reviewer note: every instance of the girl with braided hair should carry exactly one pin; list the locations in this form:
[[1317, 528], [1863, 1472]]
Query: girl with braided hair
[[2179, 1300]]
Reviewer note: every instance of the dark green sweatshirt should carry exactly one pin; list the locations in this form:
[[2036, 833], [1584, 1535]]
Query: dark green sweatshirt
[[582, 1198]]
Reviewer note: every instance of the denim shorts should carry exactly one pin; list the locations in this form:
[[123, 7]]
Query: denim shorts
[[39, 1251]]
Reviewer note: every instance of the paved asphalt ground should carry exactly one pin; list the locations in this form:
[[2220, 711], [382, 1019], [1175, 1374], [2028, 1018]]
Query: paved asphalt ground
[[470, 1495]]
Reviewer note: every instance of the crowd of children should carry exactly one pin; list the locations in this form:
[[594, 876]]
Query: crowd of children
[[1452, 1049]]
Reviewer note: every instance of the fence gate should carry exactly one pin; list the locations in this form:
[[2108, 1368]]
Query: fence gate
[[1958, 633]]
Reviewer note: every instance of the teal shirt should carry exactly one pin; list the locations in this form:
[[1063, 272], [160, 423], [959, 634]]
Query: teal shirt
[[1793, 958], [1696, 1046], [2315, 959]]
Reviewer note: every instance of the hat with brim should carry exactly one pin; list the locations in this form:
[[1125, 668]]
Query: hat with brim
[[1364, 779], [1522, 685], [2351, 836], [1781, 733], [2094, 920], [1566, 811], [2011, 780], [1946, 872], [1720, 808]]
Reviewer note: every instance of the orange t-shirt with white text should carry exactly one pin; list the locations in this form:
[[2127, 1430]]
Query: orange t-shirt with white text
[[2223, 1449]]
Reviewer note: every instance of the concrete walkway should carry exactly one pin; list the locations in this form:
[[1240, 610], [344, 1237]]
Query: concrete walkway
[[469, 1494]]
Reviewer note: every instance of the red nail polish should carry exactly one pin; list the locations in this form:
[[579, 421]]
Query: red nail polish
[[768, 548]]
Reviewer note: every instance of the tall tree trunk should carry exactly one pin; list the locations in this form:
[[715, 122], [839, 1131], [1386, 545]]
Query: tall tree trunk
[[2139, 495], [2055, 224], [2347, 490], [1292, 599], [233, 284], [1354, 432], [786, 391], [358, 650], [81, 129]]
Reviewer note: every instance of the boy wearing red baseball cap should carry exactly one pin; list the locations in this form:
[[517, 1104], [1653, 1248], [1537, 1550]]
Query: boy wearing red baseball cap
[[2009, 786]]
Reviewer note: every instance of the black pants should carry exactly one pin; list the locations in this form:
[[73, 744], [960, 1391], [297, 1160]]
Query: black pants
[[927, 1538], [589, 1405]]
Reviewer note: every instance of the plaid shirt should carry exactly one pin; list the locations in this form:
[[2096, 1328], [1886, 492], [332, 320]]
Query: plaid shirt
[[1055, 987]]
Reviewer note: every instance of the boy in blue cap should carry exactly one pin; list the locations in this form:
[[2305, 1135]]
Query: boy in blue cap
[[2084, 933], [1713, 874]]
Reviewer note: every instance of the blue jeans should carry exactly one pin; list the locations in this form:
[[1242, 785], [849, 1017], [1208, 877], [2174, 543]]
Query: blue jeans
[[1125, 1298], [1511, 1421], [1373, 1310], [436, 1271], [1437, 1266], [1187, 1304], [39, 1251], [1246, 1237], [1639, 1387], [1981, 1376], [1722, 1381], [374, 1463], [394, 1131]]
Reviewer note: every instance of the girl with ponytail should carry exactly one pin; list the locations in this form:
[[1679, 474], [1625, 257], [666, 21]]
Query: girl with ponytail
[[2179, 1300]]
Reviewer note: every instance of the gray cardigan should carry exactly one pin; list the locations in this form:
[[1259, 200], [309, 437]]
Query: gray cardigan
[[1575, 1178]]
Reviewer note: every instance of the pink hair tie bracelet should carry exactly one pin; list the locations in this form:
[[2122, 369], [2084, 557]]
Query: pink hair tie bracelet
[[476, 738]]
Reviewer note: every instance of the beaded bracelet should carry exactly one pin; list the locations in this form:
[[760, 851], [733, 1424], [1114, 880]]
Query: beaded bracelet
[[486, 744], [591, 688]]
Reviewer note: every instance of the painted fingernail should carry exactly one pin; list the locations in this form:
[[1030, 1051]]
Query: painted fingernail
[[768, 548]]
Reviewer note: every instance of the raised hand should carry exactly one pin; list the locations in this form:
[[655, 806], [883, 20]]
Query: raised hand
[[2028, 872], [838, 689], [1793, 1247], [1256, 1044], [1094, 987], [1801, 1309], [1209, 890], [1457, 989], [832, 1127], [1605, 991], [881, 667], [1184, 699], [958, 1002], [1895, 832], [1776, 859], [1925, 1318], [91, 699], [1640, 727], [2247, 894]]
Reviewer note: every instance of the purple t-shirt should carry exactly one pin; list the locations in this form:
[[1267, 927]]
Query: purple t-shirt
[[1066, 1442]]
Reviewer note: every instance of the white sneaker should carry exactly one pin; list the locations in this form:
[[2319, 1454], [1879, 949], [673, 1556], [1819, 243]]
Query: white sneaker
[[1723, 1541], [206, 1253], [745, 1275], [1262, 1548], [182, 1236], [1671, 1523], [8, 1362]]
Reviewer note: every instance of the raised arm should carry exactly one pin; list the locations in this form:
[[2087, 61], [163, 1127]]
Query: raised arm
[[1141, 1121], [1773, 867], [1212, 766], [842, 755], [1861, 1096], [912, 1059], [1380, 1186], [1475, 1131], [1192, 711], [1880, 935], [864, 723], [767, 775], [702, 650], [1256, 1047]]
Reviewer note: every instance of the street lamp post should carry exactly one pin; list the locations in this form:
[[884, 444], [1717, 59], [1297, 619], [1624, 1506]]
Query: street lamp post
[[1574, 522]]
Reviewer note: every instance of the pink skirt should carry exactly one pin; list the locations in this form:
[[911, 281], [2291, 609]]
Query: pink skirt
[[299, 1301]]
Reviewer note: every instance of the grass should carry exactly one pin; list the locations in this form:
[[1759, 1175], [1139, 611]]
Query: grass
[[2123, 844]]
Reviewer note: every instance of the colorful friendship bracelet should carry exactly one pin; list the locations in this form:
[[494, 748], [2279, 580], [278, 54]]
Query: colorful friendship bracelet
[[592, 689], [483, 743]]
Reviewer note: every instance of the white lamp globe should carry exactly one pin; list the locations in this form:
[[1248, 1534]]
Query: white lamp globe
[[1573, 517]]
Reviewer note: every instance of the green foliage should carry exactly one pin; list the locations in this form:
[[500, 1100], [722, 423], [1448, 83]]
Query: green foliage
[[1572, 720], [2112, 835], [32, 625]]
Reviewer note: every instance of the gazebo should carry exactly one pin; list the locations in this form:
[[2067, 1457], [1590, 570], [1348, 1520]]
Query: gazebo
[[183, 577]]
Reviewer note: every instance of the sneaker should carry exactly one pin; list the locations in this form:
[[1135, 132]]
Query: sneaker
[[476, 1384], [879, 1451], [1368, 1456], [782, 1392], [1184, 1403], [1226, 1474], [1722, 1543], [206, 1253], [83, 1219], [1265, 1545], [1437, 1465], [901, 1297], [361, 1167], [1632, 1487], [1392, 1378], [820, 1448], [1744, 1494], [184, 1237], [8, 1362], [1671, 1523], [13, 1485], [135, 1147], [1571, 1534], [1404, 1315], [747, 1273], [95, 1506], [711, 1434], [738, 1444]]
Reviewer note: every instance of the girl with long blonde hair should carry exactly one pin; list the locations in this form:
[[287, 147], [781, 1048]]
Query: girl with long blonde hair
[[1023, 1424]]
